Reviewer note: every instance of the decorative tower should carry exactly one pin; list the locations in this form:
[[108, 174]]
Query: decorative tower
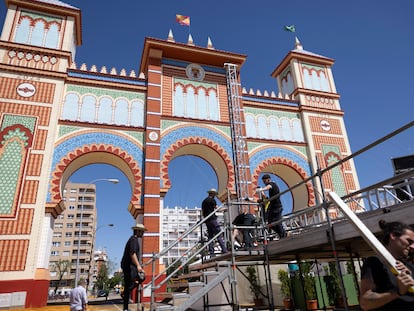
[[37, 45], [308, 78]]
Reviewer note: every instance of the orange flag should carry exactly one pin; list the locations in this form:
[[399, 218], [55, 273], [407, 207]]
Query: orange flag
[[182, 19]]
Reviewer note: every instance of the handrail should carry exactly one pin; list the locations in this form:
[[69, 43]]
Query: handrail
[[380, 195], [164, 251], [320, 172]]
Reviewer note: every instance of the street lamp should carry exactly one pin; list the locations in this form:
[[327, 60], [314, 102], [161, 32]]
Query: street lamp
[[112, 180], [92, 257]]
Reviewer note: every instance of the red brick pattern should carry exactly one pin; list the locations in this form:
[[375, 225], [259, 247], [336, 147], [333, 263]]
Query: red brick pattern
[[21, 225], [44, 91], [30, 189], [16, 251], [43, 113], [34, 164]]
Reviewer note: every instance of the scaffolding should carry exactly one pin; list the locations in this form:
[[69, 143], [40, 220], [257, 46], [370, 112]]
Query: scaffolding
[[239, 144]]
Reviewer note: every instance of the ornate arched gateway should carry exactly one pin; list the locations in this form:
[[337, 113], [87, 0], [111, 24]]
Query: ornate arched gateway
[[56, 117]]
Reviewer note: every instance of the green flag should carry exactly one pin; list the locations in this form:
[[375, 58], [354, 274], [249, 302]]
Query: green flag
[[290, 28]]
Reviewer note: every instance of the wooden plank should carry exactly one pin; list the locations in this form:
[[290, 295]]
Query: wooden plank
[[367, 235], [190, 275]]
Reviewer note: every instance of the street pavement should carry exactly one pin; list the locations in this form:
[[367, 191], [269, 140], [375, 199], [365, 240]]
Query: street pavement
[[113, 303]]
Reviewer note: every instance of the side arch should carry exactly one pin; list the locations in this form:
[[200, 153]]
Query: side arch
[[290, 167], [70, 156]]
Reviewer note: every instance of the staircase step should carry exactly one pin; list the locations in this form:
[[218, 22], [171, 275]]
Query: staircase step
[[164, 307], [195, 284], [182, 284], [211, 273], [190, 275], [202, 266], [164, 295]]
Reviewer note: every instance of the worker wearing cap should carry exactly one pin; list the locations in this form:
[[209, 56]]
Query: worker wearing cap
[[275, 209], [208, 206], [130, 263]]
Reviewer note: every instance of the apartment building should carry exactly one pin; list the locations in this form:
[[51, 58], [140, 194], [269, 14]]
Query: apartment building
[[177, 220], [73, 238]]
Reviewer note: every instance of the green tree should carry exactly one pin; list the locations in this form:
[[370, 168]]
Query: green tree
[[115, 280], [102, 279], [61, 267]]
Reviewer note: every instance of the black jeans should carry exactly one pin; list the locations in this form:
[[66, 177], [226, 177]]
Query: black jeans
[[130, 275], [275, 214], [212, 229]]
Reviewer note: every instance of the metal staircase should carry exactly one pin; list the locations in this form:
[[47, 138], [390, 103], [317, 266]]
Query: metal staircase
[[388, 194]]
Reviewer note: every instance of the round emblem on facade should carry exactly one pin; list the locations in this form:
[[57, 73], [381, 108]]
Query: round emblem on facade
[[153, 136], [26, 89], [325, 125], [195, 72]]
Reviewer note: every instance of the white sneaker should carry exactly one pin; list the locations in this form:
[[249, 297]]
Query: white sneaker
[[237, 244]]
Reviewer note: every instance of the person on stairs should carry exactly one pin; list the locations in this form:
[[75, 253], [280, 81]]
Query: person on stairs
[[208, 205]]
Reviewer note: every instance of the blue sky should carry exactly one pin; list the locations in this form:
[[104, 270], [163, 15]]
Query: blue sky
[[371, 41]]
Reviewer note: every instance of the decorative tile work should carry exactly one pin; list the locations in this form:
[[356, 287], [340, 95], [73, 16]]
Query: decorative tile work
[[15, 139], [27, 122], [22, 224], [166, 158], [286, 161], [331, 155], [42, 113], [16, 251], [197, 132], [185, 135], [98, 92], [262, 155], [81, 144], [29, 192]]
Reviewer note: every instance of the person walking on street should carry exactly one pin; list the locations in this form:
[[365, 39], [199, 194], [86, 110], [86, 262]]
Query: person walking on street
[[130, 263], [275, 209], [78, 297], [208, 206], [380, 288]]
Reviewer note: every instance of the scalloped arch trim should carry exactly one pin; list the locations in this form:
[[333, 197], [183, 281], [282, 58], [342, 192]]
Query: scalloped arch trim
[[279, 160], [57, 174], [169, 153]]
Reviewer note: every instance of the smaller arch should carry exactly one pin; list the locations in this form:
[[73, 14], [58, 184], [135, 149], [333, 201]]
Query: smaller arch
[[292, 174], [205, 149]]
